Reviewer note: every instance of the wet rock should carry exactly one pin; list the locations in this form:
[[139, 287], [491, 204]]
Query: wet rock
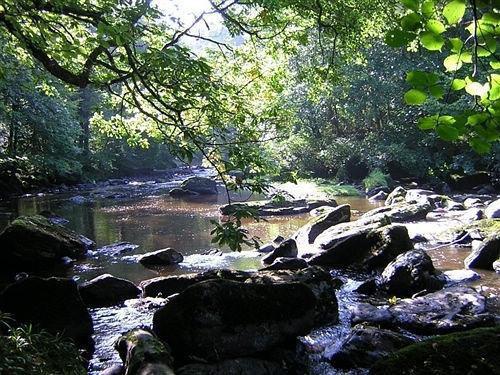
[[460, 276], [114, 370], [365, 345], [396, 196], [367, 287], [485, 254], [221, 319], [473, 202], [471, 352], [369, 247], [52, 304], [143, 353], [410, 273], [496, 265], [493, 210], [32, 241], [242, 366], [117, 248], [419, 238], [107, 290], [167, 285], [286, 264], [306, 235], [178, 192], [273, 208], [380, 196], [162, 257], [457, 308], [286, 249], [269, 247], [200, 185]]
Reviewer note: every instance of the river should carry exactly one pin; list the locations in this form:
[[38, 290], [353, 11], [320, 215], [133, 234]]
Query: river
[[153, 220]]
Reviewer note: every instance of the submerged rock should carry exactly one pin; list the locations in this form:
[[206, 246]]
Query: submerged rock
[[484, 255], [472, 352], [142, 353], [365, 345], [107, 290], [163, 257], [32, 241], [221, 319], [52, 304]]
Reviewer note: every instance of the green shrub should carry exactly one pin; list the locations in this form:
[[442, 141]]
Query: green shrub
[[376, 178]]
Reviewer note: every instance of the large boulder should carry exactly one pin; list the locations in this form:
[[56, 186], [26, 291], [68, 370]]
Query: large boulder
[[306, 235], [457, 308], [396, 196], [365, 345], [493, 210], [162, 257], [32, 241], [143, 354], [484, 255], [200, 185], [368, 247], [52, 304], [472, 352], [107, 290], [286, 249], [398, 213], [221, 319], [410, 273]]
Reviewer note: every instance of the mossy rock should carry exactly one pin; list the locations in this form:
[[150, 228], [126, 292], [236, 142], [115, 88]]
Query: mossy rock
[[472, 352], [33, 240]]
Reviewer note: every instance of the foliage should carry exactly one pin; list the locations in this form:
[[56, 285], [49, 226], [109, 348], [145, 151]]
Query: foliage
[[376, 178], [26, 351], [465, 33], [231, 232]]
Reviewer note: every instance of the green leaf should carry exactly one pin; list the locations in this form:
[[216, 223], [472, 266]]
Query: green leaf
[[398, 38], [476, 88], [494, 92], [437, 91], [457, 84], [447, 132], [435, 27], [428, 123], [454, 11], [456, 44], [480, 146], [452, 63], [415, 97], [410, 22], [428, 8], [410, 4], [431, 41], [495, 64], [466, 57], [416, 78]]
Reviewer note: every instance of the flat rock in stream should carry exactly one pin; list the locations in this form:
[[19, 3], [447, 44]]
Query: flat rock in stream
[[398, 213], [457, 308], [107, 290], [272, 208], [222, 319], [33, 241]]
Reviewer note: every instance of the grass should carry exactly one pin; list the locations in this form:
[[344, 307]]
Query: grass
[[24, 351]]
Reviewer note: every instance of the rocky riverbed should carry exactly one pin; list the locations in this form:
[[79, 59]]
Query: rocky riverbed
[[346, 283]]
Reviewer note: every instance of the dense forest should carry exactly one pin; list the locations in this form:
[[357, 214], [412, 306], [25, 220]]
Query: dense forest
[[397, 100]]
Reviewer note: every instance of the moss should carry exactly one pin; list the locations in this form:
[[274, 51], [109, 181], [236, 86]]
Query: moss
[[487, 227], [471, 352]]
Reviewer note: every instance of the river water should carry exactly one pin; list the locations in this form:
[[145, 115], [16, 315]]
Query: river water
[[153, 220]]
